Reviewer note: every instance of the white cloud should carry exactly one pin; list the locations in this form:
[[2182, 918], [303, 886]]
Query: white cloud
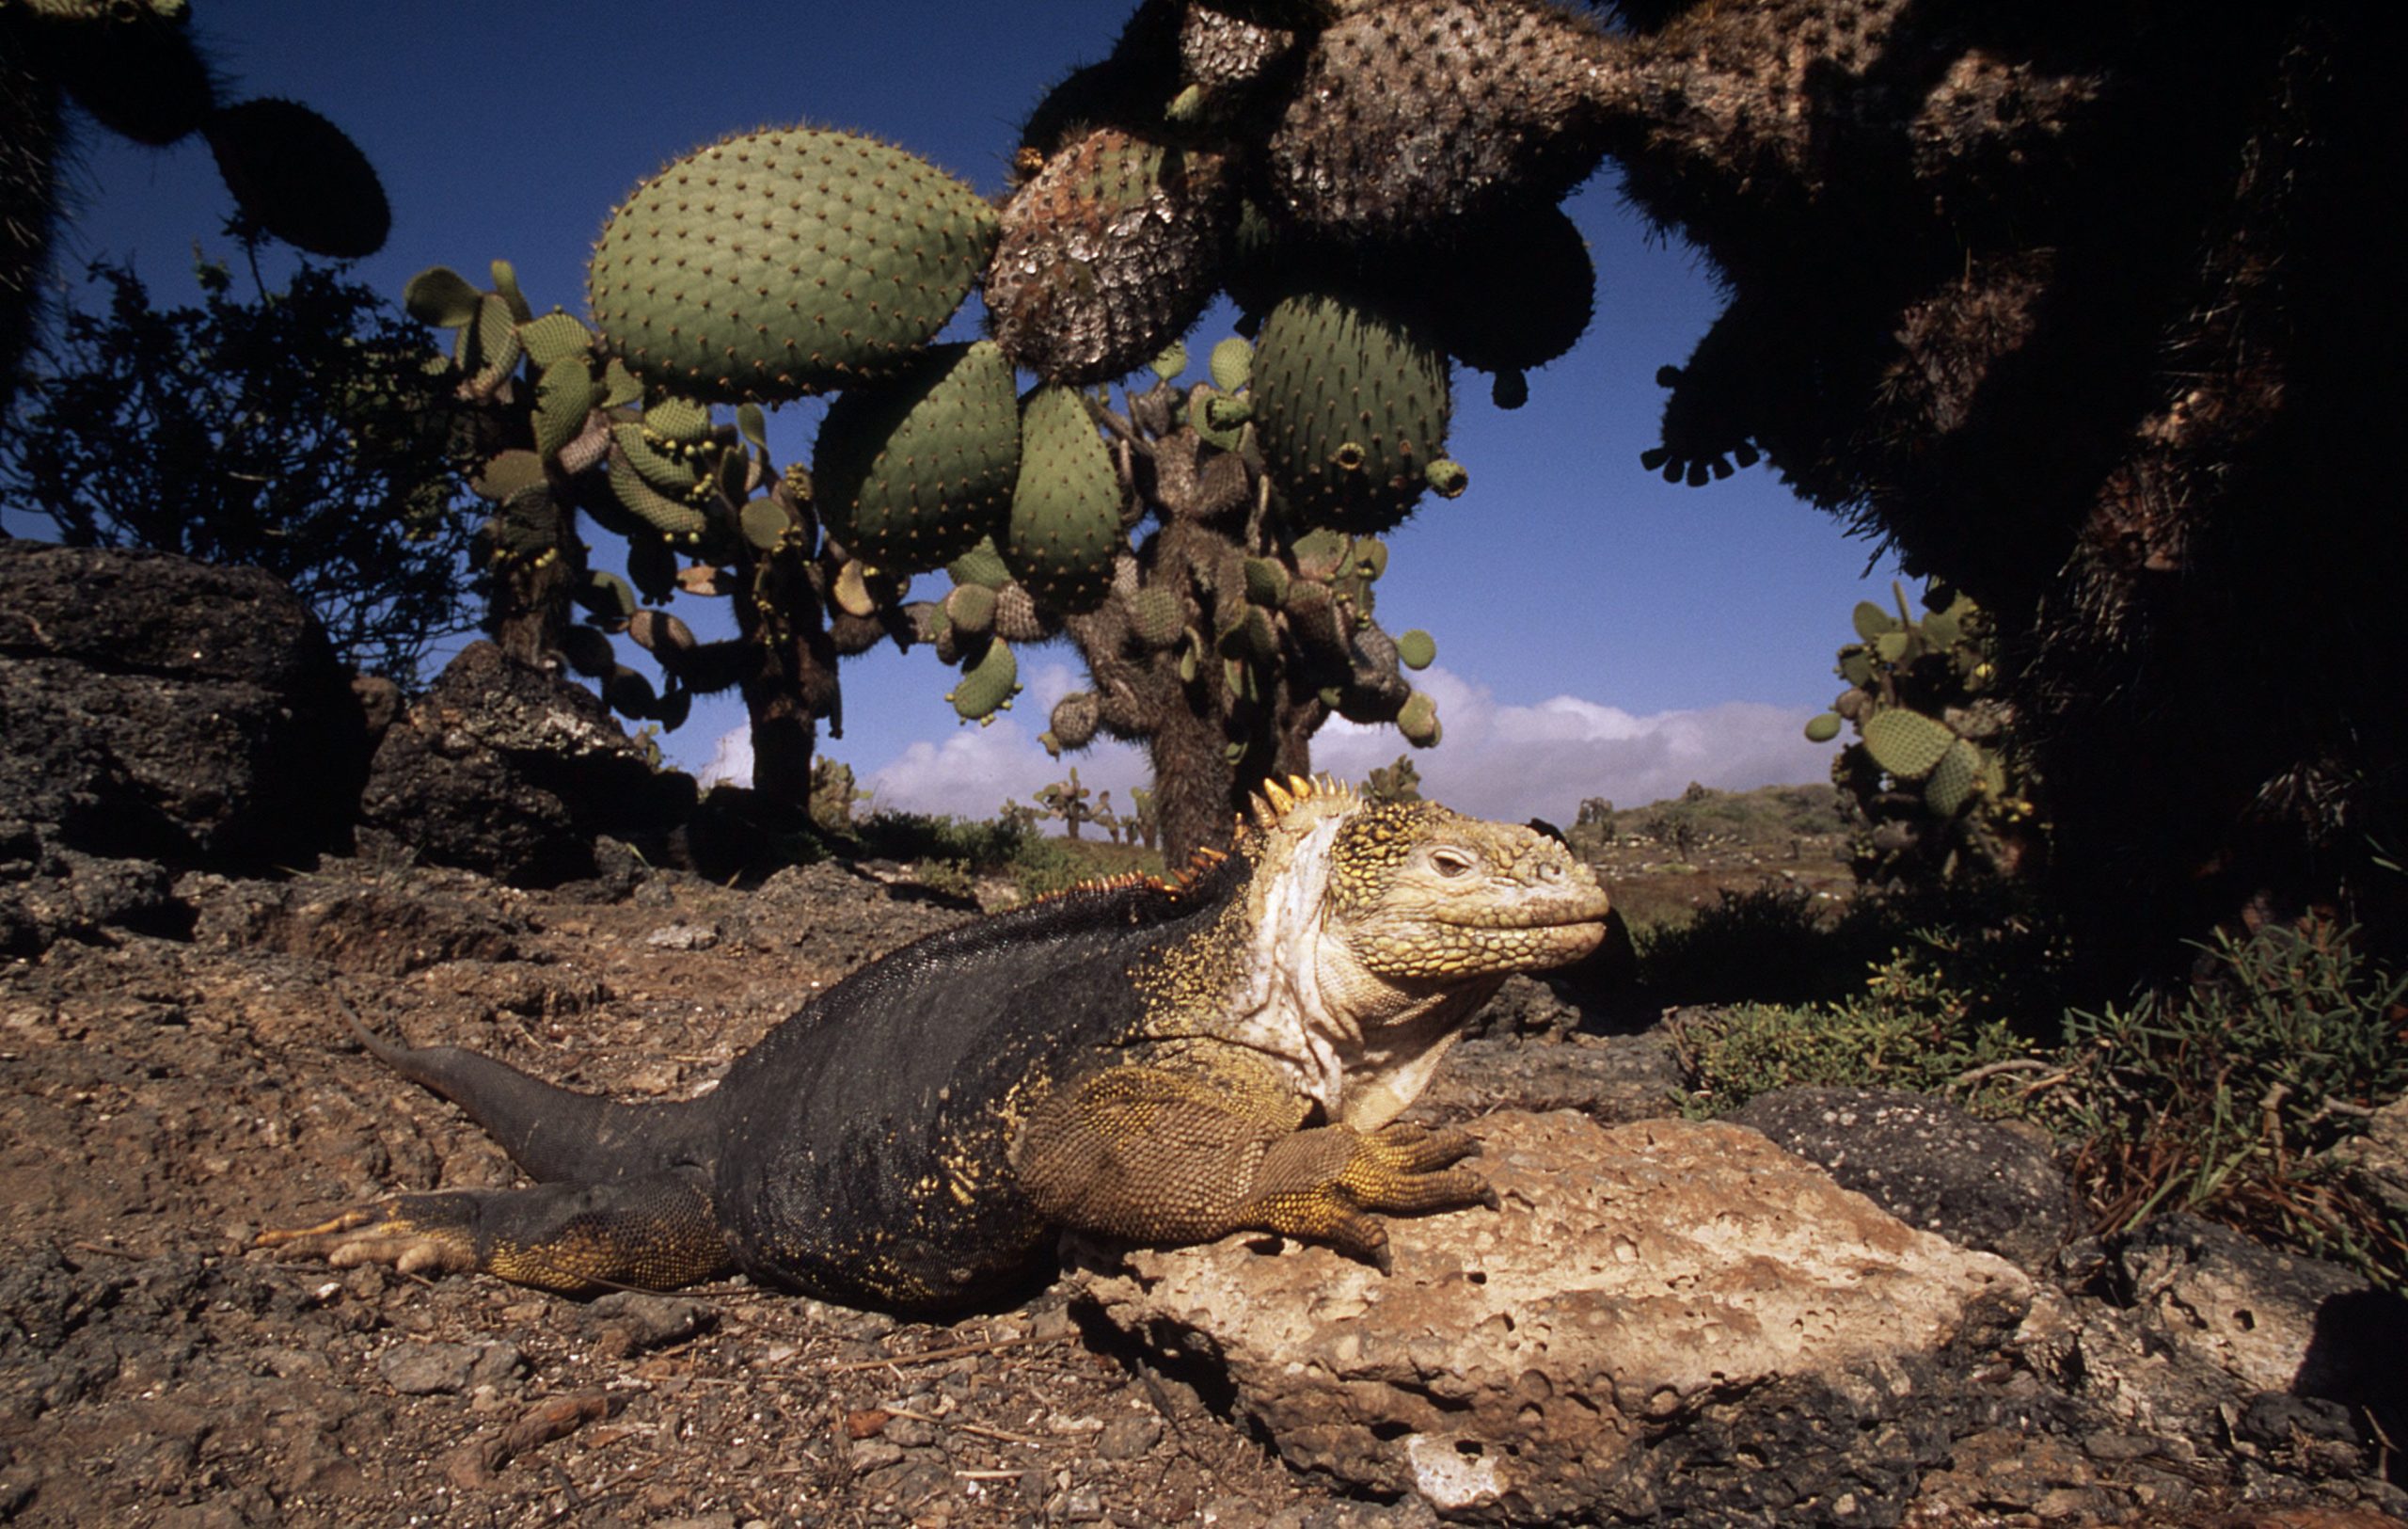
[[1510, 762], [973, 771], [1540, 760]]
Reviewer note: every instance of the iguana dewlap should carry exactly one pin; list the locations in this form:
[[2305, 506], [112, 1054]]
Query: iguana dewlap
[[1162, 1063]]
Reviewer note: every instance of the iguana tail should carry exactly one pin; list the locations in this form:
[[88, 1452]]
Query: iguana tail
[[551, 1132]]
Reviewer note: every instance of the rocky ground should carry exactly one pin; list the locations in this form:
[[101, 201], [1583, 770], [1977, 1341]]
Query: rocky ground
[[165, 1099], [1877, 1311]]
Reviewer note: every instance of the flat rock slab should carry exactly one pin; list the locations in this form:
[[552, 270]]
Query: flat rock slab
[[1665, 1318]]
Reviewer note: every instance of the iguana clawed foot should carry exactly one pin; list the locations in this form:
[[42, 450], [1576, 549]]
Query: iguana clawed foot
[[385, 1232], [652, 1232], [1322, 1182]]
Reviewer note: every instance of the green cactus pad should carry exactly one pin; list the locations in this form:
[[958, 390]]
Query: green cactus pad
[[488, 346], [1199, 414], [987, 684], [1320, 554], [1066, 507], [765, 523], [1232, 365], [970, 608], [784, 263], [1416, 650], [1823, 728], [441, 296], [1171, 362], [1417, 719], [675, 476], [300, 178], [1855, 665], [911, 474], [668, 516], [1156, 617], [565, 394], [554, 338], [981, 565], [1870, 620], [1266, 580], [1350, 407], [606, 595], [1905, 743], [673, 423], [1951, 779]]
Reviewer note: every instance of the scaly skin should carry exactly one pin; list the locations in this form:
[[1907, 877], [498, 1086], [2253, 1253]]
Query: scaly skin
[[1160, 1062]]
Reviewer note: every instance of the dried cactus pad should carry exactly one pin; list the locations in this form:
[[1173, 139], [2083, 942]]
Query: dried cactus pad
[[784, 263]]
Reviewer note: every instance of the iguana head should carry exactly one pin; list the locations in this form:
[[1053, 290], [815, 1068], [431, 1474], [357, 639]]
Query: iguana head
[[1417, 892], [1367, 932]]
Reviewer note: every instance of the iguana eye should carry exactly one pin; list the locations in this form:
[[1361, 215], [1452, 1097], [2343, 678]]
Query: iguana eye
[[1449, 864]]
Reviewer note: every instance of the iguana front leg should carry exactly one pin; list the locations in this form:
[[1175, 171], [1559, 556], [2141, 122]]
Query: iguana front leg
[[655, 1232], [1157, 1155]]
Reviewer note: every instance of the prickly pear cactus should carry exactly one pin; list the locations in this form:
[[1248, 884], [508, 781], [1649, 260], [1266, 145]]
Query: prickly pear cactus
[[1107, 255], [1350, 406], [1419, 113], [777, 264], [1066, 507], [1932, 771], [913, 474]]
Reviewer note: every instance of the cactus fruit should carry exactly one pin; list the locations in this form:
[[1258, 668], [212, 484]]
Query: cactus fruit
[[1066, 507], [1351, 409], [1418, 721], [1107, 255], [1824, 727], [1447, 478], [777, 264], [1420, 112], [911, 473], [988, 683]]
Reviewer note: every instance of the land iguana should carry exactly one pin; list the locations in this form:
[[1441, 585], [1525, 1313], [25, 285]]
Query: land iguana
[[1157, 1061]]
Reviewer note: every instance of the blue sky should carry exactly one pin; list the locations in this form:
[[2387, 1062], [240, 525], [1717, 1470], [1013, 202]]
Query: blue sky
[[1600, 633]]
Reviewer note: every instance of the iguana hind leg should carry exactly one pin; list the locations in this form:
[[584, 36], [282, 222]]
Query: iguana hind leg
[[655, 1231], [1157, 1155]]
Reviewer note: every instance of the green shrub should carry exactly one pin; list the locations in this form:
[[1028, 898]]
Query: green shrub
[[1912, 1027], [2229, 1099]]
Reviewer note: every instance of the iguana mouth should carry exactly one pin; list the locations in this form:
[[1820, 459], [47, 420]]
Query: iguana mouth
[[1534, 919]]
